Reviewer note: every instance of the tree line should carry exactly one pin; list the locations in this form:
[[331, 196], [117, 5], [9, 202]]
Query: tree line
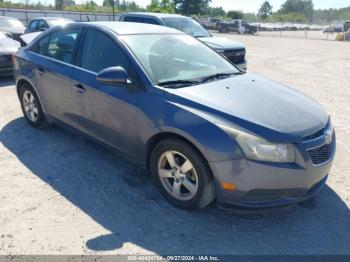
[[290, 11]]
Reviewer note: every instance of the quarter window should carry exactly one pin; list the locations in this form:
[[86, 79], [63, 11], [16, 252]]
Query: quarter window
[[100, 52]]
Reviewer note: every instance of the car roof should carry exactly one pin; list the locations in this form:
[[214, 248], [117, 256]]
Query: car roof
[[127, 28], [158, 15]]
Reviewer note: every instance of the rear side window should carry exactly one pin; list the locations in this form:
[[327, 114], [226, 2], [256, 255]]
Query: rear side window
[[151, 21], [42, 25], [33, 25], [61, 45], [145, 20], [133, 19], [100, 51]]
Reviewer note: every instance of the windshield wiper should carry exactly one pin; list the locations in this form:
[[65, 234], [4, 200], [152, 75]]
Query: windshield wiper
[[176, 83], [218, 75]]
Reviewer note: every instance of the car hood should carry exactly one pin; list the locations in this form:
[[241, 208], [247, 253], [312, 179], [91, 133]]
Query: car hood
[[8, 46], [13, 30], [268, 109], [221, 43]]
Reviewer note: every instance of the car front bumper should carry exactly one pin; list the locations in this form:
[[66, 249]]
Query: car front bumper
[[6, 66], [262, 184]]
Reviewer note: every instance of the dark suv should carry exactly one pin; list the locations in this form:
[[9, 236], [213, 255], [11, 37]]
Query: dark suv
[[233, 51]]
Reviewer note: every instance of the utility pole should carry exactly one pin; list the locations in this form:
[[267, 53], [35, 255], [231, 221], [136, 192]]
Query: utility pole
[[113, 10]]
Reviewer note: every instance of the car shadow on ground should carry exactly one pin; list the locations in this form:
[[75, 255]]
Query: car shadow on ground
[[121, 198], [6, 81]]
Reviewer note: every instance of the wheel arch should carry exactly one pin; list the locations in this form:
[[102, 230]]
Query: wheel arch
[[155, 139], [20, 82]]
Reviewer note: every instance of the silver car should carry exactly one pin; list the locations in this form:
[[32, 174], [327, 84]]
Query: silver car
[[12, 26], [8, 47]]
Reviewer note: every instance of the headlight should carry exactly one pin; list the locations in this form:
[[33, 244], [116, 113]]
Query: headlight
[[257, 148]]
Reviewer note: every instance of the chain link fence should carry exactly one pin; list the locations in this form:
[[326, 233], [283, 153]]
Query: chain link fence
[[25, 15], [291, 30], [282, 30]]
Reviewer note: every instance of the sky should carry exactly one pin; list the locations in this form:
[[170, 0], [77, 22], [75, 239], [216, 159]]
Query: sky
[[254, 5]]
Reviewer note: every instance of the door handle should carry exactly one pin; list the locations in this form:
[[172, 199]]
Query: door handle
[[79, 88]]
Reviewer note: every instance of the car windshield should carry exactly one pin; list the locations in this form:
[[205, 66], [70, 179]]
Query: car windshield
[[10, 22], [187, 25], [177, 58]]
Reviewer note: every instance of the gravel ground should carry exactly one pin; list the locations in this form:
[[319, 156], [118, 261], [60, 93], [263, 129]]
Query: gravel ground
[[318, 35], [62, 194]]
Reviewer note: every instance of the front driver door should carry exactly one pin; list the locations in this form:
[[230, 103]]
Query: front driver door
[[105, 112]]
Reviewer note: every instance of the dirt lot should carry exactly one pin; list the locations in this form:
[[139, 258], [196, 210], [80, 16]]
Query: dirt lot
[[319, 35], [62, 194]]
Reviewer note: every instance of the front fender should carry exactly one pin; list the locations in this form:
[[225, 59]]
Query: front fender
[[161, 116]]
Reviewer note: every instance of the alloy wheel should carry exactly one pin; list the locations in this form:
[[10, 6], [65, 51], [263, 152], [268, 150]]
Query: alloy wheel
[[177, 175], [30, 106]]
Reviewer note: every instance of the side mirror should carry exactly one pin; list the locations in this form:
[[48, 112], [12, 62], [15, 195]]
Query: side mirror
[[113, 75]]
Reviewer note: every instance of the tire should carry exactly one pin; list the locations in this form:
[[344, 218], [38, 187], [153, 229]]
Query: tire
[[34, 115], [197, 186]]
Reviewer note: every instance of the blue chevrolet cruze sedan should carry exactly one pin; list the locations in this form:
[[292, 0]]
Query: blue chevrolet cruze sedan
[[203, 128]]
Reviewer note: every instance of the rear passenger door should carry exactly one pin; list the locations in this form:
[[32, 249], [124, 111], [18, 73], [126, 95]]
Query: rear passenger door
[[105, 112], [53, 70]]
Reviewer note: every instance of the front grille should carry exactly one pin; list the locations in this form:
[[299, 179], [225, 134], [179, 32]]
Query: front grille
[[236, 56], [5, 61], [323, 153], [266, 195]]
